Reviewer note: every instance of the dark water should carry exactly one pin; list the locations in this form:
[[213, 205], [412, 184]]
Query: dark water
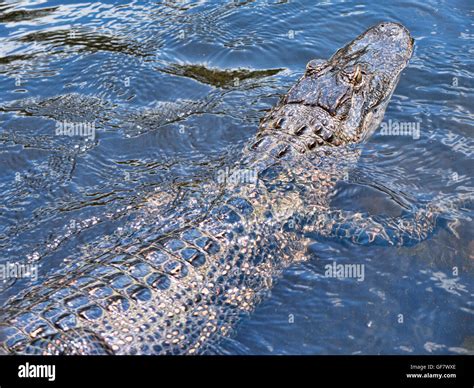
[[175, 89]]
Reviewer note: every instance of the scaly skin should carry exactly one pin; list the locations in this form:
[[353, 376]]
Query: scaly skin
[[181, 285]]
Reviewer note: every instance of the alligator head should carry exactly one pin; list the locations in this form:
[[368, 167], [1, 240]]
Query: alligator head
[[343, 100]]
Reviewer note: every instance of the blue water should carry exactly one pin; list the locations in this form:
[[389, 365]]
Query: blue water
[[130, 69]]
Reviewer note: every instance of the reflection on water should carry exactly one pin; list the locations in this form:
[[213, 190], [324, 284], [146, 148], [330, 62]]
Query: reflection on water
[[172, 90]]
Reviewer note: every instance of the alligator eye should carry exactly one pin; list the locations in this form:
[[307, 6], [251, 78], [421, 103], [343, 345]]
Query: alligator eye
[[357, 76]]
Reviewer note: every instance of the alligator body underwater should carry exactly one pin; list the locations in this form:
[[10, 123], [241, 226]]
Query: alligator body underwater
[[183, 288]]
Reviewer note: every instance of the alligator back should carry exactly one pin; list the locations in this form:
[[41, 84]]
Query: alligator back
[[174, 291]]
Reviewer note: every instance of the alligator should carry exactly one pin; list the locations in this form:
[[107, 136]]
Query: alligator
[[182, 286]]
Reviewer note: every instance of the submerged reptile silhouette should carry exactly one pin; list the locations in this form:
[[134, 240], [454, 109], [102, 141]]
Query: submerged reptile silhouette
[[211, 258]]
